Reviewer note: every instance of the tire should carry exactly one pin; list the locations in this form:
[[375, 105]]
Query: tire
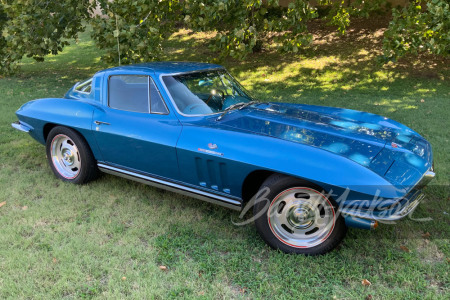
[[70, 157], [293, 216]]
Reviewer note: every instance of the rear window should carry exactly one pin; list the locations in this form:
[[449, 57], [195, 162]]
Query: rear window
[[85, 86], [129, 92]]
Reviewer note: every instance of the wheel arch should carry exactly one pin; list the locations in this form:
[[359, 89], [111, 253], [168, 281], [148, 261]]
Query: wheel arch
[[256, 178], [49, 126], [253, 182]]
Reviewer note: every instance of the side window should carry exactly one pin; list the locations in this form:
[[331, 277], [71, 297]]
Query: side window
[[84, 87], [156, 102], [129, 92]]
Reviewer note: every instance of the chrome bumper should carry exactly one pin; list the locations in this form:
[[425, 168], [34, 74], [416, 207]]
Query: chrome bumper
[[392, 214], [21, 126], [426, 178], [398, 210]]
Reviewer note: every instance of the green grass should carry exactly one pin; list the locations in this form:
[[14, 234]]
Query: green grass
[[107, 239]]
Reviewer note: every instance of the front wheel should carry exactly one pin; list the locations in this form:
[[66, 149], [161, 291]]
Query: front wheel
[[69, 156], [295, 217]]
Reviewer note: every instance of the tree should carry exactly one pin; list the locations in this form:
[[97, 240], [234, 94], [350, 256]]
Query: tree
[[37, 28], [415, 30], [134, 30]]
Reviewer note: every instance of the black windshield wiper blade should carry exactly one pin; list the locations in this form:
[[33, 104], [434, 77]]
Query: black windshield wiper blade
[[239, 106]]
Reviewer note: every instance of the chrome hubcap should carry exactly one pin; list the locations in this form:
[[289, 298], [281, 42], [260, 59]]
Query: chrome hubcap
[[65, 156], [301, 217]]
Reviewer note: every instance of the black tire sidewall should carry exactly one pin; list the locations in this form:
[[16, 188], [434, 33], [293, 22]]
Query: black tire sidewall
[[278, 184], [88, 169]]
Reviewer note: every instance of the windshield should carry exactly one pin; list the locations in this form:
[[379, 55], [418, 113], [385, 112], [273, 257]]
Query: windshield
[[204, 93]]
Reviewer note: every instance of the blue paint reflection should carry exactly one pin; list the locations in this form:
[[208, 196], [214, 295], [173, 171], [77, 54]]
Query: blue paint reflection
[[361, 159], [337, 148]]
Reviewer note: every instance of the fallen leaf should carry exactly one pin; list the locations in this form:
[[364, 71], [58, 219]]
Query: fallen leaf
[[366, 282], [54, 260], [369, 297], [124, 278], [426, 235], [404, 248], [3, 203], [448, 260], [163, 268], [24, 207]]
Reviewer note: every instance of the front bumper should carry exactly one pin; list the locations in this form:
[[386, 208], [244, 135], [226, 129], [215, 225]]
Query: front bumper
[[395, 212], [386, 211]]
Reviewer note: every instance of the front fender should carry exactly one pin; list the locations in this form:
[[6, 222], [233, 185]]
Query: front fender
[[244, 153]]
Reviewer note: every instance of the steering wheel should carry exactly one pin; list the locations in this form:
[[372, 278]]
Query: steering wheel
[[198, 108], [212, 94], [189, 108]]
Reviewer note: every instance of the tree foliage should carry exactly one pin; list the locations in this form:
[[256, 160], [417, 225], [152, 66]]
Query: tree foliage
[[416, 29], [244, 25], [134, 30], [37, 28]]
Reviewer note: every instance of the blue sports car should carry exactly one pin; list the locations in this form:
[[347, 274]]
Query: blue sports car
[[308, 172]]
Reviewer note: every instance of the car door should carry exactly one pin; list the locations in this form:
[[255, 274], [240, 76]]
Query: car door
[[135, 129]]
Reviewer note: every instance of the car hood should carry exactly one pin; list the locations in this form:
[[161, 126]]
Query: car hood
[[358, 136]]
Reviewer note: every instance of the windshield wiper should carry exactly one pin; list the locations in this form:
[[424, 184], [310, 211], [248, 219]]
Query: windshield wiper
[[239, 106]]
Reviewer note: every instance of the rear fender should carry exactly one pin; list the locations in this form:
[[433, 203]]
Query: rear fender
[[63, 112]]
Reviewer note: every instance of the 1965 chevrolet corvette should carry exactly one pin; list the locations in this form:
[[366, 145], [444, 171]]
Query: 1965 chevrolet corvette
[[307, 171]]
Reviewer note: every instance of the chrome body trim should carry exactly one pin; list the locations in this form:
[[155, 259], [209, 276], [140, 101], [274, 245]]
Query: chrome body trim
[[22, 127], [83, 84], [173, 187], [101, 122]]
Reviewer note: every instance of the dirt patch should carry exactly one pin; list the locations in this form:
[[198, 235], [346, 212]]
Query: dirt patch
[[429, 252]]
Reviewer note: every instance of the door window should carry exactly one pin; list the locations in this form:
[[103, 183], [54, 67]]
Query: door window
[[129, 92], [156, 102], [135, 93]]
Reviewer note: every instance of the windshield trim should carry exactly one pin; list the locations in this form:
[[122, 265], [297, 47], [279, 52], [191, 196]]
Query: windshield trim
[[191, 72]]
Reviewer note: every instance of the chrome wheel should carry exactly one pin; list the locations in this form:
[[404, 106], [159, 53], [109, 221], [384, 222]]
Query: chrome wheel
[[301, 217], [65, 156]]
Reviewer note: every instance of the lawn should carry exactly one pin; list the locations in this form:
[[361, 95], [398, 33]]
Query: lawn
[[110, 238]]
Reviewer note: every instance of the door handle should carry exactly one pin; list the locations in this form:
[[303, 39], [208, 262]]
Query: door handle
[[100, 122]]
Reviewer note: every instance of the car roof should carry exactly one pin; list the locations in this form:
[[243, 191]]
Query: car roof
[[166, 67]]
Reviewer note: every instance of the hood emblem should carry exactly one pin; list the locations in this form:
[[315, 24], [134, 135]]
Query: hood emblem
[[212, 146]]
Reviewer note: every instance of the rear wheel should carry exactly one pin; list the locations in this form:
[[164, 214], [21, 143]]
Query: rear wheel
[[295, 217], [69, 156]]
